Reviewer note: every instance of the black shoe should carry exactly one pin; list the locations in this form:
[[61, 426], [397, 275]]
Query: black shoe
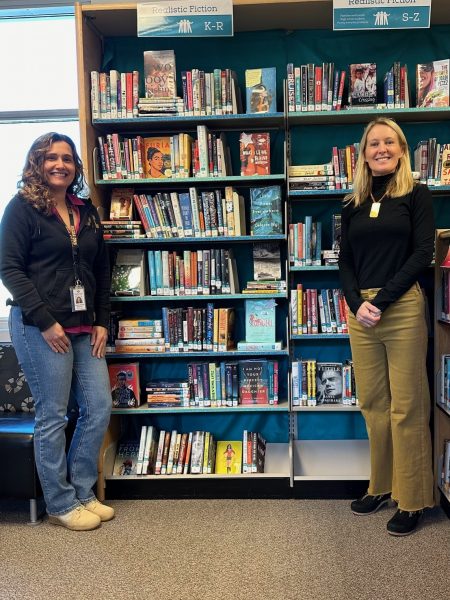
[[368, 505], [404, 522]]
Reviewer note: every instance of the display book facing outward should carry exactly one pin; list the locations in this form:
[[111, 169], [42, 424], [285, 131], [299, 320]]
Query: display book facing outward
[[326, 448]]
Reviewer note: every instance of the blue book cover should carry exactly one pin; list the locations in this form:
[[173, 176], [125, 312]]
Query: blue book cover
[[265, 211], [260, 320], [261, 90], [152, 271], [158, 273], [186, 214]]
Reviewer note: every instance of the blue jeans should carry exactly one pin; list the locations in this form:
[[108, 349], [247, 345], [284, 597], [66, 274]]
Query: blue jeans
[[53, 378]]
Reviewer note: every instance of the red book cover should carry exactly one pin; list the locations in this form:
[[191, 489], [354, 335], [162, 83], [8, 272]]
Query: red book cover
[[253, 382], [125, 386], [255, 154]]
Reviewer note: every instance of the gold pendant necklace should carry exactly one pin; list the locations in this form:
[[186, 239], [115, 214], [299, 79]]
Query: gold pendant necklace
[[375, 208]]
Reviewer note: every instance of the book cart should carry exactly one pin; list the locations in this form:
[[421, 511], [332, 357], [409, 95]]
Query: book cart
[[309, 446], [441, 346]]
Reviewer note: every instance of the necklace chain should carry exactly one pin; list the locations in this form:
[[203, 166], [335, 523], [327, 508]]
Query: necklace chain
[[373, 199]]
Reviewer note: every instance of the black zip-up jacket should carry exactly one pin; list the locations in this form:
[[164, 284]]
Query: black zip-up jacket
[[36, 266]]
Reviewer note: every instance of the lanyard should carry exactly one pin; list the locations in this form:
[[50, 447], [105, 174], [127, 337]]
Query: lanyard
[[74, 244]]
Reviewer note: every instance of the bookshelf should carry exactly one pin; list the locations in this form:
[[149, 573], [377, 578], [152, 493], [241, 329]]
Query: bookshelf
[[441, 346], [311, 462], [269, 33]]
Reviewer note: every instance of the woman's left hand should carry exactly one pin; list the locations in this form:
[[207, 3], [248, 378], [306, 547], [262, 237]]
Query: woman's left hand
[[99, 336]]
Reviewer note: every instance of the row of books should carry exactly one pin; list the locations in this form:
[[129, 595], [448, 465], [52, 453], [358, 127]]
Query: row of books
[[119, 230], [114, 95], [192, 214], [314, 87], [320, 87], [214, 93], [432, 162], [233, 383], [315, 383], [316, 311], [197, 452], [192, 272], [187, 329], [396, 87], [445, 380], [208, 384], [175, 157], [197, 213], [305, 243], [445, 295], [310, 87], [335, 175]]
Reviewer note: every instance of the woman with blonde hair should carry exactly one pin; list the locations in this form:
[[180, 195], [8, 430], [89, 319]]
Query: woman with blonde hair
[[387, 242]]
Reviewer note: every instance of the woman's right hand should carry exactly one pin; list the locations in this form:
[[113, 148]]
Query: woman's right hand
[[56, 338], [368, 314]]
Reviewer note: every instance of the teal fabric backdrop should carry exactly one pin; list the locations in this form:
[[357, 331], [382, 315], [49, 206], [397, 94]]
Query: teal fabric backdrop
[[310, 144]]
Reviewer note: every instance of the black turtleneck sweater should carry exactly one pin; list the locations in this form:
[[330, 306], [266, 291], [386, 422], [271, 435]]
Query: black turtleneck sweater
[[387, 252]]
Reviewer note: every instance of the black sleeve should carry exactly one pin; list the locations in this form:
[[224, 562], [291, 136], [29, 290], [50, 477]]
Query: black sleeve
[[16, 233], [422, 247], [346, 265], [102, 276]]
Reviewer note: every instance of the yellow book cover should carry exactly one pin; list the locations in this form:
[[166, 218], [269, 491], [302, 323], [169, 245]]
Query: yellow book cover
[[228, 458], [157, 161]]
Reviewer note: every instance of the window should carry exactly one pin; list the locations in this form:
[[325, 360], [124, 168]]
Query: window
[[39, 85]]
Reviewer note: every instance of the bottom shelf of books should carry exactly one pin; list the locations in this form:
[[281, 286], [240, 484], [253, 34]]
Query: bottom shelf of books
[[331, 460], [222, 444]]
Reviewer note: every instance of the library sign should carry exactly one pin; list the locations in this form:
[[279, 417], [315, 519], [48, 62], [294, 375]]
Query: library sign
[[188, 18], [381, 14]]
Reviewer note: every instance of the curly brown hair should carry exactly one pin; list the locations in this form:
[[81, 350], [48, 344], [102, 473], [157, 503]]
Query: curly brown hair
[[33, 186]]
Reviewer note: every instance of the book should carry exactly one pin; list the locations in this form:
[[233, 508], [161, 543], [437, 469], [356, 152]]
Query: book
[[121, 207], [253, 381], [260, 320], [265, 211], [128, 273], [259, 346], [125, 462], [157, 158], [160, 74], [329, 383], [261, 90], [266, 261], [254, 152], [228, 457], [125, 385], [363, 84], [432, 83]]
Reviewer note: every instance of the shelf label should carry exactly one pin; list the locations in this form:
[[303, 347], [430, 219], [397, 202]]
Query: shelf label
[[381, 14], [185, 18]]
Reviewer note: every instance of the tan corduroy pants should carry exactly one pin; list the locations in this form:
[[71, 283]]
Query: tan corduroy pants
[[392, 385]]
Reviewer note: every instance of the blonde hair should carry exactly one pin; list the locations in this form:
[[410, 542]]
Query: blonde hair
[[400, 184], [33, 186]]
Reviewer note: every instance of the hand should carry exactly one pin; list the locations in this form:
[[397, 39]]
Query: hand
[[57, 339], [368, 314], [99, 336]]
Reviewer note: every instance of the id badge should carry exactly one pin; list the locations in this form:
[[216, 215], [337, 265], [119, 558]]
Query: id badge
[[77, 298]]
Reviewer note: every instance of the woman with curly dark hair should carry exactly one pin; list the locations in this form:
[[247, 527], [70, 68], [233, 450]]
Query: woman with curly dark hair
[[54, 263]]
